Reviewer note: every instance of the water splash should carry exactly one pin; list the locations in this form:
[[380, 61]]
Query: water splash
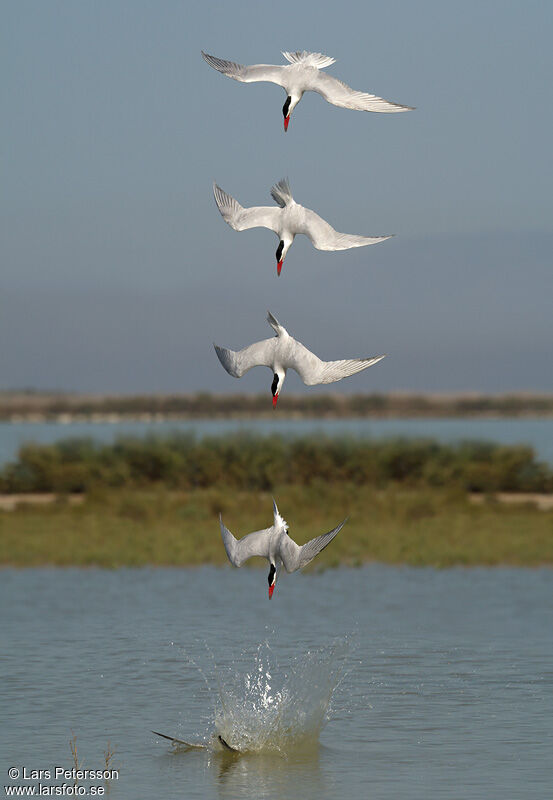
[[268, 708]]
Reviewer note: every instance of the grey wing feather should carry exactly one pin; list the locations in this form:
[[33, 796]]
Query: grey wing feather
[[295, 557], [336, 370], [239, 72], [340, 94], [312, 370], [182, 742], [226, 745], [241, 218], [239, 550], [324, 237], [259, 354]]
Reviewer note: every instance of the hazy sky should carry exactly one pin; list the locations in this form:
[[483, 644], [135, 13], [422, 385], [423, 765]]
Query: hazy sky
[[117, 272]]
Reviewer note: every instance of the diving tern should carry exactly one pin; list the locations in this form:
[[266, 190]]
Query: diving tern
[[283, 352], [287, 221], [303, 74], [276, 546]]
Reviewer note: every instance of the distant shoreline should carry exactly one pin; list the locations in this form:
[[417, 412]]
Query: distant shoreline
[[541, 501], [66, 408]]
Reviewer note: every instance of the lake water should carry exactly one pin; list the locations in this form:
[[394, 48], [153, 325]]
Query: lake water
[[440, 682], [536, 432]]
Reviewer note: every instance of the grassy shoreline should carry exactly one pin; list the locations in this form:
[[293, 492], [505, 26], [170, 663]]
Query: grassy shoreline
[[394, 525]]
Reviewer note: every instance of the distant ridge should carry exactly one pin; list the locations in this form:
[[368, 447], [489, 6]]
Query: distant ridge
[[30, 405]]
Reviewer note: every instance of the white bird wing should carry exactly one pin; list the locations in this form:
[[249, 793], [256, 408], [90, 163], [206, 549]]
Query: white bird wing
[[336, 370], [312, 370], [324, 237], [340, 94], [239, 550], [239, 72], [259, 354], [295, 557], [241, 218]]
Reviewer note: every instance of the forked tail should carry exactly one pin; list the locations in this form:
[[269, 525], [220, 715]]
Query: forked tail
[[307, 59], [281, 193]]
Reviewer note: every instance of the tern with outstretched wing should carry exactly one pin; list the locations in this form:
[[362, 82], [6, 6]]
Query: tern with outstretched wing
[[281, 353], [303, 74], [287, 220], [276, 546]]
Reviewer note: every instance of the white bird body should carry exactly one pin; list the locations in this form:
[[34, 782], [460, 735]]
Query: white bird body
[[283, 352], [276, 546], [287, 220], [303, 74]]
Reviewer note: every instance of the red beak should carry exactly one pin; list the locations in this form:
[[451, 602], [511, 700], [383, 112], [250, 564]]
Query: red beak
[[275, 398], [279, 266], [271, 590], [286, 121]]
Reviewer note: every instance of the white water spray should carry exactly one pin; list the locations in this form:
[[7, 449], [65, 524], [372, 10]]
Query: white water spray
[[264, 707]]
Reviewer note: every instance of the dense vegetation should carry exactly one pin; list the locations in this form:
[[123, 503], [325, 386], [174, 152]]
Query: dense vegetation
[[259, 463], [33, 405]]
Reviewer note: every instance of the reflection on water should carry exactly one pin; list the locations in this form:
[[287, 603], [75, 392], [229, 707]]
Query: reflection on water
[[270, 775], [257, 775]]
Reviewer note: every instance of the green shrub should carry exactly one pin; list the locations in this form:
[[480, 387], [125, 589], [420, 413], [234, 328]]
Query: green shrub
[[248, 462]]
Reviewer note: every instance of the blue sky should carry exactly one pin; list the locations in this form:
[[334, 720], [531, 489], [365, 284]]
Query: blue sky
[[117, 272]]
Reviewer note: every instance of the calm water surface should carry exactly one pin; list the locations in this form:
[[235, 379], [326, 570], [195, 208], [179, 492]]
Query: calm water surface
[[448, 690], [536, 432]]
